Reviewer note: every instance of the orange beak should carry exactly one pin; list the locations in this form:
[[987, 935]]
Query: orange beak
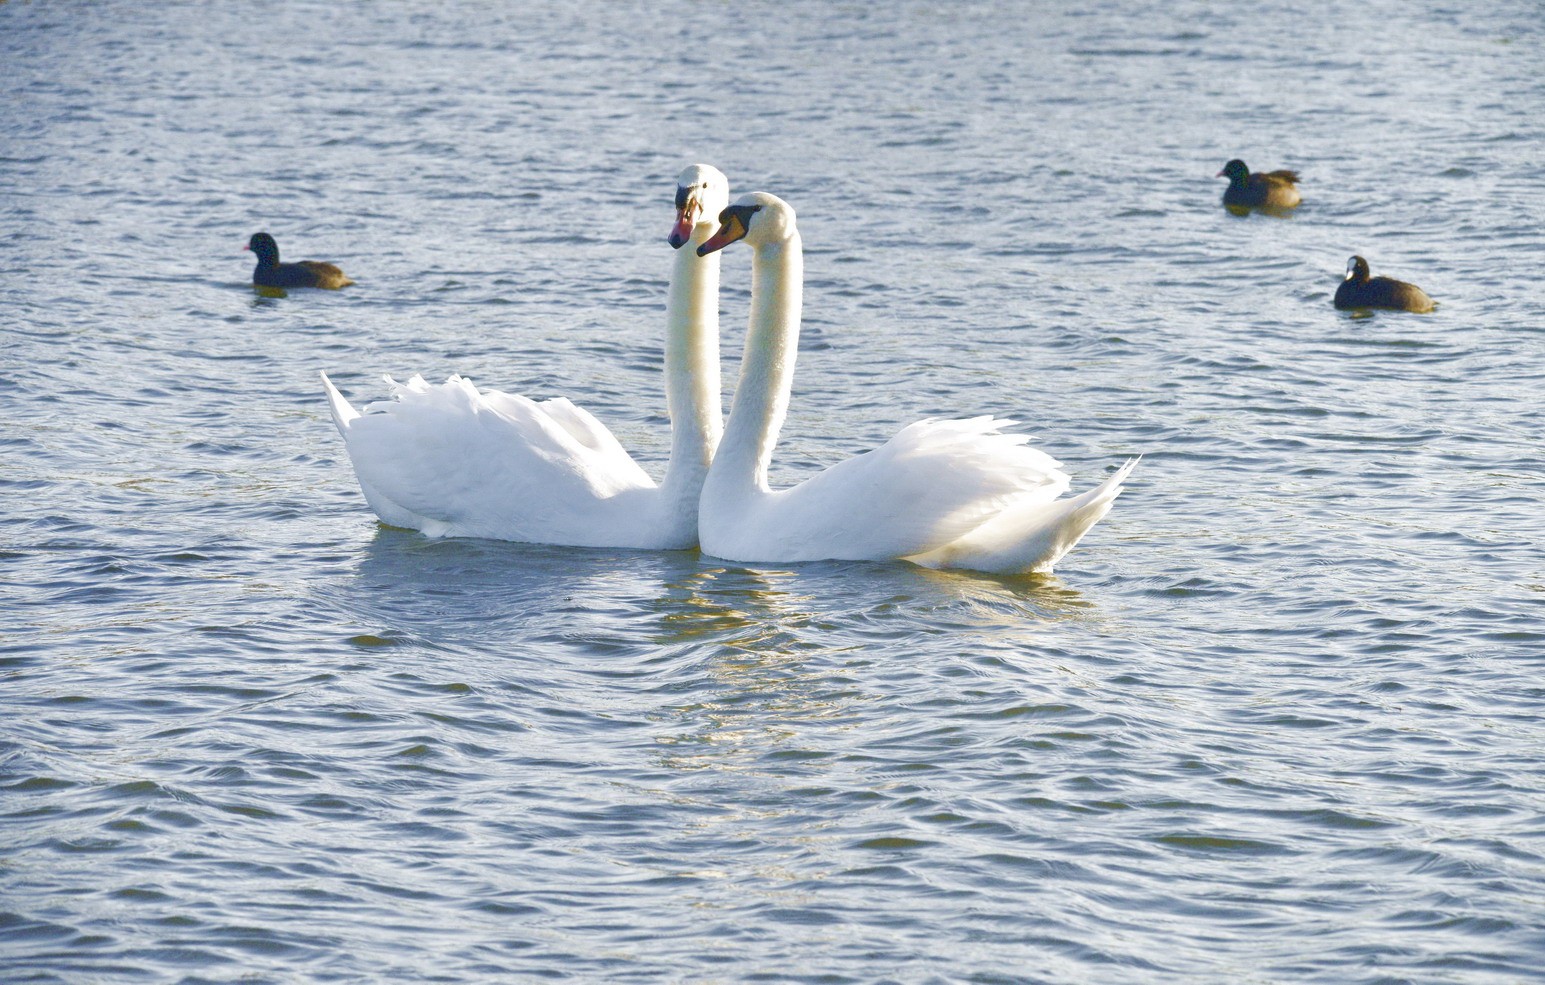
[[731, 230]]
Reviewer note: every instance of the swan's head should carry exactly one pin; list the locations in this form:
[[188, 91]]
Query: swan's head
[[757, 218], [702, 192], [1357, 269], [1234, 171]]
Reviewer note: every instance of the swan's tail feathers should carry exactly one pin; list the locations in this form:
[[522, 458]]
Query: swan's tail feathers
[[343, 412], [1031, 535], [1102, 496]]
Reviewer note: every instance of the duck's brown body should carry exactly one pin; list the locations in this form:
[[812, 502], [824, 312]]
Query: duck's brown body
[[1359, 290], [1270, 189], [269, 272]]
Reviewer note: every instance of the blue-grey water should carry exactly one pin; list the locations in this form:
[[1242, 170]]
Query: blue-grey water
[[1277, 719]]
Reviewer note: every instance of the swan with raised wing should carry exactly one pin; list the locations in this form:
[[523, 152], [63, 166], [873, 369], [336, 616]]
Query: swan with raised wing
[[455, 461], [941, 493]]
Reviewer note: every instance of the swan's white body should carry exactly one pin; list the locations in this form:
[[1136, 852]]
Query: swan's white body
[[945, 494], [453, 461]]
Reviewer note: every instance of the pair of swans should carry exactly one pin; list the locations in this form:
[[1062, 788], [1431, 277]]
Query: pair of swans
[[451, 460]]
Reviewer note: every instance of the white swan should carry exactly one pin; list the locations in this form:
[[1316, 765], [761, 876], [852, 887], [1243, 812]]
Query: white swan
[[453, 461], [945, 494]]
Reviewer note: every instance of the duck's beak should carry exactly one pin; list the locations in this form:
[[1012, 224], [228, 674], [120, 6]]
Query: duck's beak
[[731, 228]]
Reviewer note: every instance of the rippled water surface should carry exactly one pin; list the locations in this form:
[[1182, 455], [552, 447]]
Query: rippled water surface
[[1275, 720]]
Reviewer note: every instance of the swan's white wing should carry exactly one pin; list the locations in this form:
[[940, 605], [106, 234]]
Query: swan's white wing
[[1032, 532], [581, 425], [930, 484], [450, 460]]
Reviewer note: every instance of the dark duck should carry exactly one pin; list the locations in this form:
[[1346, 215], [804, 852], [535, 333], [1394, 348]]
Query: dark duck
[[269, 272], [1358, 290], [1264, 190]]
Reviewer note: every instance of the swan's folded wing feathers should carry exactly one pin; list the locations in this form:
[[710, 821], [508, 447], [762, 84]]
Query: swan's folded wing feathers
[[1032, 533], [582, 425], [461, 457], [931, 483]]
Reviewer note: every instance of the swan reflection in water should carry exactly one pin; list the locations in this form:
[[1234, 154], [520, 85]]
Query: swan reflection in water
[[500, 591], [788, 648], [654, 687]]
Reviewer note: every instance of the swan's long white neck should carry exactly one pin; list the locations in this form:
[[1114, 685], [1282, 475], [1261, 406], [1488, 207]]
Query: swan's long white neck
[[766, 371], [692, 395]]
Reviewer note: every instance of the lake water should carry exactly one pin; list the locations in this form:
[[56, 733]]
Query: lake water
[[1277, 718]]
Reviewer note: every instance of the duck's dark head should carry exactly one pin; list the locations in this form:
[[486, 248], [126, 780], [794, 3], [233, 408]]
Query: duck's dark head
[[1235, 171], [264, 246], [1357, 270]]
